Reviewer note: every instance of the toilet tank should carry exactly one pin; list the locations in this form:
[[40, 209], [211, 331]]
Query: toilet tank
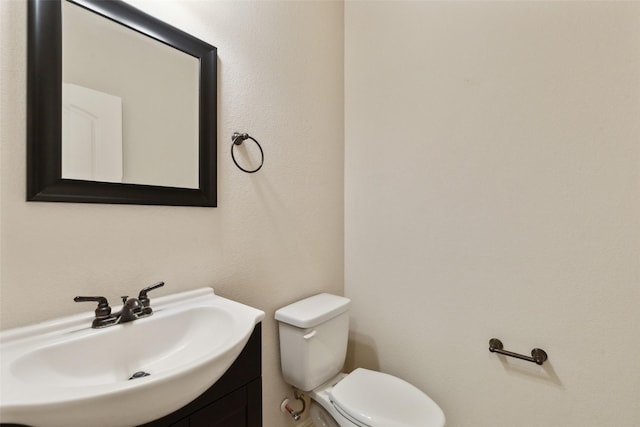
[[313, 339]]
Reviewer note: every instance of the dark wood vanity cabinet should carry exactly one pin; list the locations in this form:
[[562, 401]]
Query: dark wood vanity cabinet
[[235, 400]]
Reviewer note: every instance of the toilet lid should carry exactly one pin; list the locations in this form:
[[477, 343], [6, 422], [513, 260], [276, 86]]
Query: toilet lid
[[372, 398]]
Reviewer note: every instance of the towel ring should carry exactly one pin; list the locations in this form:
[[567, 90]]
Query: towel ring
[[239, 138]]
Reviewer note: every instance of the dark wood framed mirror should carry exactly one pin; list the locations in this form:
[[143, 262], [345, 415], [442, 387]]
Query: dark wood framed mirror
[[47, 180]]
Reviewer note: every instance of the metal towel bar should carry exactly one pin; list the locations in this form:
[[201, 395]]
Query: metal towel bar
[[538, 355]]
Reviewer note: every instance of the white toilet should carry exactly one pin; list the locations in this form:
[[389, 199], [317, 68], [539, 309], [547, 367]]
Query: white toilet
[[313, 345]]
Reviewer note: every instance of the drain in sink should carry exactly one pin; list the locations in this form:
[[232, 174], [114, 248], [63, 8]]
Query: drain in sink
[[139, 374]]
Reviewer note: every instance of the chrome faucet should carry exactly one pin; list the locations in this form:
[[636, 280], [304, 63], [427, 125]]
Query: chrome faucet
[[132, 308]]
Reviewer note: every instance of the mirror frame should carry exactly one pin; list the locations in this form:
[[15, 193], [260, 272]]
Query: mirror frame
[[44, 110]]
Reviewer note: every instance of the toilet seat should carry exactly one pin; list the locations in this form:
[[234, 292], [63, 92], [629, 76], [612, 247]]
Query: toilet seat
[[370, 398]]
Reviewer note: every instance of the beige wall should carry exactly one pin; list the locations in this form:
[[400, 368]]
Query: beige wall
[[276, 236], [492, 190]]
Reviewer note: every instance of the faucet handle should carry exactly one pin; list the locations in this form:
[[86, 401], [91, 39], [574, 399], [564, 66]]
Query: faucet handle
[[142, 296], [103, 309]]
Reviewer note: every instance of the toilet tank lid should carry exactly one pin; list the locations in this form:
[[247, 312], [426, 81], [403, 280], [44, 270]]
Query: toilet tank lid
[[313, 310]]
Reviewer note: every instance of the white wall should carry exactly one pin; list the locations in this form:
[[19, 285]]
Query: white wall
[[492, 190], [276, 236]]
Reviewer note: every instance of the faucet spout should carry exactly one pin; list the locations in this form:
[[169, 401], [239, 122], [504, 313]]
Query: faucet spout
[[131, 310]]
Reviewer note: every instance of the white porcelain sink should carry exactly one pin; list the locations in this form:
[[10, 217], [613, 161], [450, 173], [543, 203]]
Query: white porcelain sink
[[64, 373]]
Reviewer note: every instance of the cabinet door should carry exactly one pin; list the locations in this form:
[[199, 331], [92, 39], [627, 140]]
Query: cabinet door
[[230, 411]]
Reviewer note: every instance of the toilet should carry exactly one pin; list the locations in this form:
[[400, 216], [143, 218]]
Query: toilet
[[313, 345]]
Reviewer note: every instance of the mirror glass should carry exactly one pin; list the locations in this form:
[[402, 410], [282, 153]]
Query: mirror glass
[[121, 107], [129, 108]]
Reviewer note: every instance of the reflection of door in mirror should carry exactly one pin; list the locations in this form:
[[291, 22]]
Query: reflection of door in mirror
[[159, 90], [91, 134]]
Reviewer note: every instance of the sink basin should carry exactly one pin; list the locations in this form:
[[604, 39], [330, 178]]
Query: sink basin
[[64, 373]]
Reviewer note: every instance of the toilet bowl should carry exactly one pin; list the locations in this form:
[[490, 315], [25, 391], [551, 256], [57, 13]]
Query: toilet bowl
[[313, 342]]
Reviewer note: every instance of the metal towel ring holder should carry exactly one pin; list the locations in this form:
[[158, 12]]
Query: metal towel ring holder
[[239, 138]]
